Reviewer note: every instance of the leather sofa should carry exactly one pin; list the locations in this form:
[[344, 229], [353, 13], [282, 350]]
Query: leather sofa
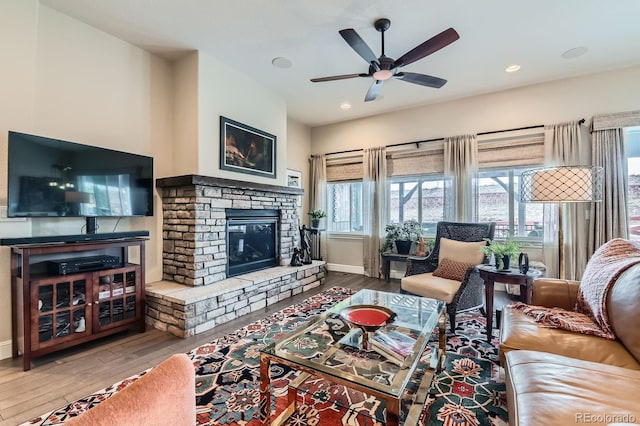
[[559, 377]]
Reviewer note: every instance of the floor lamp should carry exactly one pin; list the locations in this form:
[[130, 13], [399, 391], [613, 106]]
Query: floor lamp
[[563, 184]]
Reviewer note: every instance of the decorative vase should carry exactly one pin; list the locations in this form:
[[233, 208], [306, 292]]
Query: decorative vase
[[315, 223], [523, 263], [403, 246], [505, 262]]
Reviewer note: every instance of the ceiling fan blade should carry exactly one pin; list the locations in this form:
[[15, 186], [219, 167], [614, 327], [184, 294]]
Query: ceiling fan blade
[[338, 77], [358, 44], [430, 46], [373, 91], [421, 79]]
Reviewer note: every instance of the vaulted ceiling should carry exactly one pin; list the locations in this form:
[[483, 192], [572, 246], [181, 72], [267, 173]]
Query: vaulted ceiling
[[248, 34]]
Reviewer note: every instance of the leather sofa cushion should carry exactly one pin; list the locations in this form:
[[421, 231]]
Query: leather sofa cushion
[[520, 331], [426, 285], [623, 307], [547, 389]]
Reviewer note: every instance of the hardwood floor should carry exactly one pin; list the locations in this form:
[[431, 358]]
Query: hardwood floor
[[65, 376]]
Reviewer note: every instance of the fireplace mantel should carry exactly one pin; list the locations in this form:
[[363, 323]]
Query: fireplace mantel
[[188, 180]]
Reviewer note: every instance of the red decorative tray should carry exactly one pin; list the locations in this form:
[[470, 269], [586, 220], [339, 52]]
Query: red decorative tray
[[369, 317]]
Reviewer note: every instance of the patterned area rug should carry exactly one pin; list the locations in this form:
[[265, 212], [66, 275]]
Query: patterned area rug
[[467, 392]]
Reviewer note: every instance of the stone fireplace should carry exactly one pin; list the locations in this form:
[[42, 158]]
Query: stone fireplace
[[226, 251], [195, 250]]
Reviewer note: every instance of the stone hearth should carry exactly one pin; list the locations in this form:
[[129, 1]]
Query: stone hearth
[[195, 294], [185, 310]]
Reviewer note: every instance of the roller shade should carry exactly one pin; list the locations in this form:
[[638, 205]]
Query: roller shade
[[511, 152], [416, 163], [344, 169]]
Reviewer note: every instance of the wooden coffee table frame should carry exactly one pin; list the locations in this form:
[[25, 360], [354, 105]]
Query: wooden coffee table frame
[[392, 401]]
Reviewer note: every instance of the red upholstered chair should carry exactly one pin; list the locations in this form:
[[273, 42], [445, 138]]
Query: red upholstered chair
[[463, 289], [166, 395]]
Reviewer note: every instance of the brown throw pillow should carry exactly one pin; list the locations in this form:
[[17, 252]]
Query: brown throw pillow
[[452, 269]]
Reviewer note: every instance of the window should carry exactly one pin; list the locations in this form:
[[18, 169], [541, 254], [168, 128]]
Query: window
[[419, 198], [344, 210], [499, 201], [633, 195]]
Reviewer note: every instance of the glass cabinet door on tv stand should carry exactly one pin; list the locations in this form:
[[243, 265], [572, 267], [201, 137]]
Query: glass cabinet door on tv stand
[[116, 295], [52, 311], [60, 309]]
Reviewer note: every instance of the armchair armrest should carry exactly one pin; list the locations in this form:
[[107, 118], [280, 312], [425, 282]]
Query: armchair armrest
[[555, 293]]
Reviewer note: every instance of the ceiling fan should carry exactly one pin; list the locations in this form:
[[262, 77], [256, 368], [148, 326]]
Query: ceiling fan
[[384, 68]]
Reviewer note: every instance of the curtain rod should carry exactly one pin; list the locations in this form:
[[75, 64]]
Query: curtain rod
[[581, 121]]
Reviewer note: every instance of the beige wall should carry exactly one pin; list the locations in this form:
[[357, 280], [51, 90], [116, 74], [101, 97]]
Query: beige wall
[[67, 80], [548, 103], [62, 78], [185, 113], [223, 91], [298, 151], [18, 31]]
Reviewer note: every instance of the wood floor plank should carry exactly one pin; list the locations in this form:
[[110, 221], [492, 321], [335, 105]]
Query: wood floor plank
[[62, 377]]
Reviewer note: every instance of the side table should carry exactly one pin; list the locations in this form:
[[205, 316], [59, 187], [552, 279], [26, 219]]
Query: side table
[[490, 275], [387, 257]]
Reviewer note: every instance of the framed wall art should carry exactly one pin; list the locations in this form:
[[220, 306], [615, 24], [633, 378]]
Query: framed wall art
[[294, 180], [245, 149]]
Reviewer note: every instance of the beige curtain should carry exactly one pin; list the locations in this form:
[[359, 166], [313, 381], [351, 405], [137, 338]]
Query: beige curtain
[[566, 145], [460, 167], [609, 217], [374, 205], [318, 190]]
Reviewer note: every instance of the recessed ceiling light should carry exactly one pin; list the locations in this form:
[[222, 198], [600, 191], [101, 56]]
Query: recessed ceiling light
[[512, 68], [281, 62], [345, 105], [575, 52]]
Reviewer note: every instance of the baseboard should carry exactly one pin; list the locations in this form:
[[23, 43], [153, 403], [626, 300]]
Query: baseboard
[[350, 269], [5, 349]]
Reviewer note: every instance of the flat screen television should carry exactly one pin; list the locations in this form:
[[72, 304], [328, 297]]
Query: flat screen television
[[54, 178]]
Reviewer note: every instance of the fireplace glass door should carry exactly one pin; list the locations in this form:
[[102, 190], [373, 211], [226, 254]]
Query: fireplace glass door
[[252, 243]]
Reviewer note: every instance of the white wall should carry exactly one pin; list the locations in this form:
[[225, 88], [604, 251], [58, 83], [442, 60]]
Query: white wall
[[549, 103], [67, 80]]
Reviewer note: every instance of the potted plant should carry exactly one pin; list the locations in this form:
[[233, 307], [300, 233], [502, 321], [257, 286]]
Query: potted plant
[[316, 215], [402, 236], [503, 251]]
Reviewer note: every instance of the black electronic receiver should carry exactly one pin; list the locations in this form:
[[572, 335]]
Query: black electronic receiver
[[82, 264]]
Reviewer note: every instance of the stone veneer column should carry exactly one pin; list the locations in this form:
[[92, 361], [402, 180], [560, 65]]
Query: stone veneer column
[[194, 223]]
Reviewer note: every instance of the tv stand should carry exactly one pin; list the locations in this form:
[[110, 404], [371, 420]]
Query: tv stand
[[52, 311]]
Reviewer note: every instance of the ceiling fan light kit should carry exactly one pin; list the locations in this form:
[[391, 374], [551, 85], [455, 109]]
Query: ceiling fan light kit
[[383, 68]]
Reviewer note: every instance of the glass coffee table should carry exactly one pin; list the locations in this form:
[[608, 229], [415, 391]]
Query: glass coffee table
[[322, 348]]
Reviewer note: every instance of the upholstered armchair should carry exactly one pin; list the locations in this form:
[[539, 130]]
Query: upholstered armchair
[[449, 273]]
